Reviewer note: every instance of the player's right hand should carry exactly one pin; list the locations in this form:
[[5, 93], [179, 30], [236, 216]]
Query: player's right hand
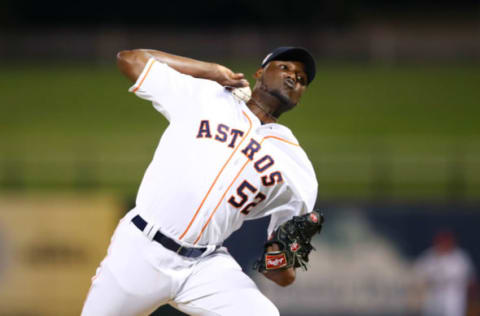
[[228, 78]]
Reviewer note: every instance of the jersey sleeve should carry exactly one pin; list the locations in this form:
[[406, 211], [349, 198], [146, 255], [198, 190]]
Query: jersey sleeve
[[172, 93], [299, 195]]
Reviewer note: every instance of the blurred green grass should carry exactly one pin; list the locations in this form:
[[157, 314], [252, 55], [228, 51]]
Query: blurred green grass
[[372, 131]]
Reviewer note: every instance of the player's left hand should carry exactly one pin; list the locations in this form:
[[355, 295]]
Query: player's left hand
[[227, 77], [293, 239]]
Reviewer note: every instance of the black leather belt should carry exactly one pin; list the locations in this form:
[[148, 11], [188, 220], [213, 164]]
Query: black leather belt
[[168, 242]]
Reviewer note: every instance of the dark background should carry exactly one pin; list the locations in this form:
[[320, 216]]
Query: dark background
[[390, 124], [267, 13]]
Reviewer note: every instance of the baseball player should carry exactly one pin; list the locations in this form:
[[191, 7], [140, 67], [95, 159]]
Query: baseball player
[[221, 161]]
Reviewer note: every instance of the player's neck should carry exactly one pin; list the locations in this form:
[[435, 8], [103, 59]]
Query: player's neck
[[263, 106]]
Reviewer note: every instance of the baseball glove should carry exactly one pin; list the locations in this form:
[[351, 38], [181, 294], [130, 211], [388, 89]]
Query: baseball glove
[[293, 238]]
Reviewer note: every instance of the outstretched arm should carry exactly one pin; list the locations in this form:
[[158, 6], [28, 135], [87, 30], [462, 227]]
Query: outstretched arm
[[132, 62]]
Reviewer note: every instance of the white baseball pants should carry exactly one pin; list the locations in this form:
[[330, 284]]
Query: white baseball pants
[[139, 275]]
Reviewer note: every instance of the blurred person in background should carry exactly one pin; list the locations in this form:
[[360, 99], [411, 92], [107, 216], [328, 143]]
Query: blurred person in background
[[446, 275]]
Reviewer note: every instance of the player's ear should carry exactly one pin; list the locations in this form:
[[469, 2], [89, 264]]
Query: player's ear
[[258, 73]]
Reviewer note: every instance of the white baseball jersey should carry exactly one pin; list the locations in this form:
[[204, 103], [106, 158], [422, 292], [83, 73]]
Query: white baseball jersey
[[216, 165]]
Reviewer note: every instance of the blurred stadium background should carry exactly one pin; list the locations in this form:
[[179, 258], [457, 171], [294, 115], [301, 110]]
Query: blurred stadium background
[[391, 125]]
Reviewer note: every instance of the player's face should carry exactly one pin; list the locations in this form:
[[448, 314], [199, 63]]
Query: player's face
[[284, 79]]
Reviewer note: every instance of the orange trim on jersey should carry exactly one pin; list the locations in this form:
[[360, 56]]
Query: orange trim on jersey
[[216, 178], [235, 179], [223, 196], [283, 140], [220, 202], [145, 76]]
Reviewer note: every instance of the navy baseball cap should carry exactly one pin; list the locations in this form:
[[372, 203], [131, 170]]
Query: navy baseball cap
[[289, 53]]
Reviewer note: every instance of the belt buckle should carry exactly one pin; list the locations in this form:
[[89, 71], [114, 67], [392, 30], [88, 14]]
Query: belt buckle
[[179, 249]]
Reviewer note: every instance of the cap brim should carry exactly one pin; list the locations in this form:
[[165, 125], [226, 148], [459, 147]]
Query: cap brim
[[294, 54]]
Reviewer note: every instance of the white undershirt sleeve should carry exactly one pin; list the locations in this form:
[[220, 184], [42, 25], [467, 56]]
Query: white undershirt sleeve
[[284, 213], [302, 189]]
